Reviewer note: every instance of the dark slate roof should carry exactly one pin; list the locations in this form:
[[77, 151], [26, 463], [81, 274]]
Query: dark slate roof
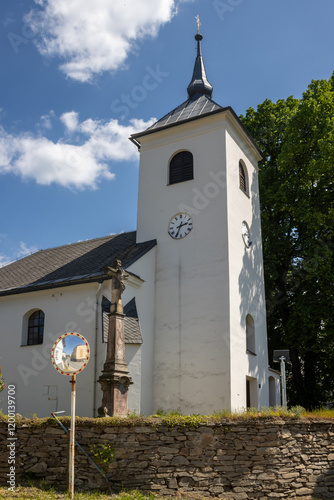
[[130, 309], [192, 108], [132, 332], [71, 264]]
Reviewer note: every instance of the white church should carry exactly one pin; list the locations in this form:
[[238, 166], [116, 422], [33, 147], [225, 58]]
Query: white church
[[195, 324]]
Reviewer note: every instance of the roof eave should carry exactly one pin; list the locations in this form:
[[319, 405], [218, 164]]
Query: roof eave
[[52, 285], [174, 124], [61, 284], [134, 137]]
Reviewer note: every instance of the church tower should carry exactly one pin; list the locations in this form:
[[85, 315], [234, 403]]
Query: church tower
[[199, 198]]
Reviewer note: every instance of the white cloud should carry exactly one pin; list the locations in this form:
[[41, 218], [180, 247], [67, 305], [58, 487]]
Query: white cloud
[[92, 37], [70, 120], [23, 251], [46, 120], [77, 166], [4, 260]]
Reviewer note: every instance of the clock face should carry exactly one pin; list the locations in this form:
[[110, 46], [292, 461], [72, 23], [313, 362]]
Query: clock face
[[180, 225], [246, 234]]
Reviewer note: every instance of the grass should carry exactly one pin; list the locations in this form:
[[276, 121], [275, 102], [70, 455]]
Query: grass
[[319, 414], [34, 493], [176, 419]]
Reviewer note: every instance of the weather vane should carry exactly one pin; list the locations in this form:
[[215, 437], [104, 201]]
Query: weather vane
[[198, 23]]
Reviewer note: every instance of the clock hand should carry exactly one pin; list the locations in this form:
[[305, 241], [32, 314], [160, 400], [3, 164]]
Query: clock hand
[[179, 227]]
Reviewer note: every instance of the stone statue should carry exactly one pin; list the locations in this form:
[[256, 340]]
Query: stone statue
[[118, 285], [115, 378]]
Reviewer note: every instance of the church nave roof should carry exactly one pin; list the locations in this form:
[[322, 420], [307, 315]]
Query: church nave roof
[[79, 262]]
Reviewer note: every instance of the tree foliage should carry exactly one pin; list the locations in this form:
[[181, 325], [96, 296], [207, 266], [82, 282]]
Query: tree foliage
[[297, 213]]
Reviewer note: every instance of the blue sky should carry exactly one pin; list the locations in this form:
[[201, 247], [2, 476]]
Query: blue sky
[[78, 77]]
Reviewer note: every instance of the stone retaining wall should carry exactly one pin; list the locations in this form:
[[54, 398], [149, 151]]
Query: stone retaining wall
[[232, 460]]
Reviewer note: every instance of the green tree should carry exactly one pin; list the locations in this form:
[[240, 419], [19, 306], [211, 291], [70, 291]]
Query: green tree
[[297, 215]]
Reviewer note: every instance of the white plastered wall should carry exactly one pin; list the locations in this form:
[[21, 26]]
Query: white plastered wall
[[42, 390], [141, 396], [191, 370], [246, 275], [39, 388], [207, 283]]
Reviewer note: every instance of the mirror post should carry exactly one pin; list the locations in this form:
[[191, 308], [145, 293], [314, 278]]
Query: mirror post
[[282, 356], [283, 381], [69, 355], [72, 437]]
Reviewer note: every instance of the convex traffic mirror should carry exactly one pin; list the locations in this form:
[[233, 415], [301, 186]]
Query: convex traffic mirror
[[70, 353]]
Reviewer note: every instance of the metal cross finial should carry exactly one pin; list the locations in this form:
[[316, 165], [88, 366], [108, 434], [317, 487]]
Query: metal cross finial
[[198, 23]]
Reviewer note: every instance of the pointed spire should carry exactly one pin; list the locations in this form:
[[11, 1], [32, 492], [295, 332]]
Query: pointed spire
[[199, 84]]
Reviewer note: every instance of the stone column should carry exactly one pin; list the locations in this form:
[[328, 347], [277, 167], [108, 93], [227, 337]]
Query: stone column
[[115, 378]]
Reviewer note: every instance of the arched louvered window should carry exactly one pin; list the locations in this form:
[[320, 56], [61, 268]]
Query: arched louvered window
[[242, 178], [36, 328], [250, 334], [181, 167]]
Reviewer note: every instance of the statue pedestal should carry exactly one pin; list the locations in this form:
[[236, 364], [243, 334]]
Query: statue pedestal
[[115, 378], [115, 395]]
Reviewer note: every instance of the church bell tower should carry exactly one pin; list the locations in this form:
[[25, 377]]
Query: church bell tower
[[199, 198]]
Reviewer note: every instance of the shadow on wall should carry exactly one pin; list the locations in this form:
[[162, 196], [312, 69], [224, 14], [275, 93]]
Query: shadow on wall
[[251, 278]]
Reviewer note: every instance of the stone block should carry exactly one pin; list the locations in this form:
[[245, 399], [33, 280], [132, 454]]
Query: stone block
[[40, 454], [172, 483], [159, 463], [167, 450], [319, 489], [186, 482], [206, 440], [304, 491], [53, 431], [38, 468], [216, 489], [289, 475], [180, 460], [142, 437], [264, 476], [182, 474]]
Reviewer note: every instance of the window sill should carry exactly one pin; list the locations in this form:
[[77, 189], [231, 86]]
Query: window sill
[[179, 182], [30, 345], [245, 192]]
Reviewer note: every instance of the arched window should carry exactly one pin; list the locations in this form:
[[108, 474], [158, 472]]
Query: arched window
[[250, 334], [181, 167], [35, 328], [242, 177]]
